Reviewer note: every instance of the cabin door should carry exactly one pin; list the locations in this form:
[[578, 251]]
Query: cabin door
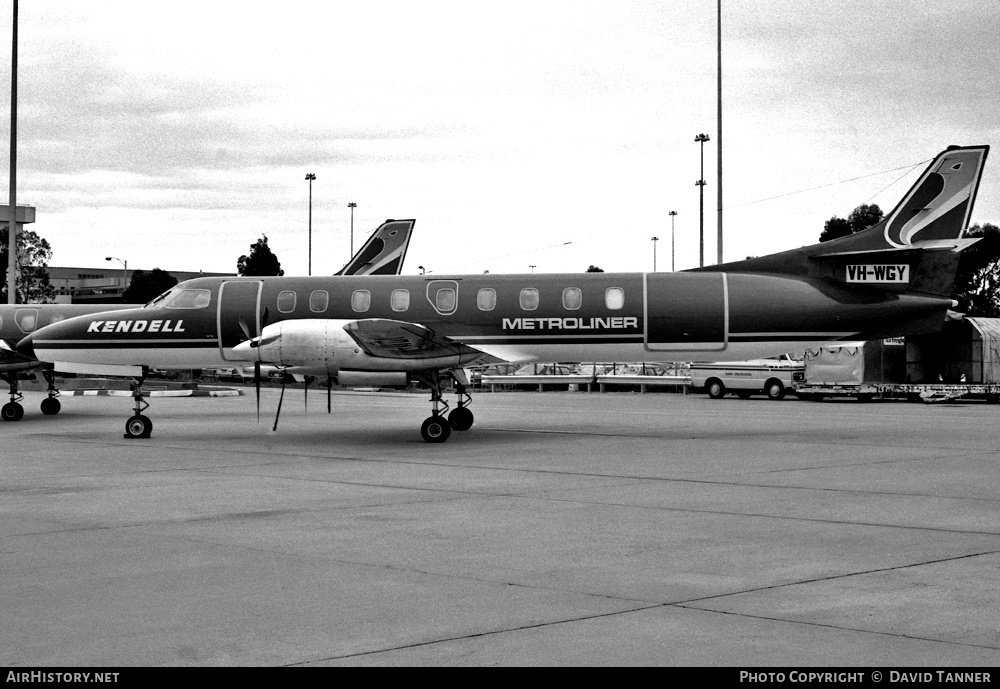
[[686, 312], [239, 308]]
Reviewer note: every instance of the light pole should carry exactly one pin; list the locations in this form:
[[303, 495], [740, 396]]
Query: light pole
[[702, 138], [672, 214], [125, 266], [655, 240], [422, 270], [12, 216], [352, 206], [309, 178], [532, 266]]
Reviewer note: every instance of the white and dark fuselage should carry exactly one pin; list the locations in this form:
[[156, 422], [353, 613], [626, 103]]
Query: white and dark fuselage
[[694, 316]]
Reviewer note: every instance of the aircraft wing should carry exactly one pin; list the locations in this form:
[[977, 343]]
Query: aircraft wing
[[386, 338]]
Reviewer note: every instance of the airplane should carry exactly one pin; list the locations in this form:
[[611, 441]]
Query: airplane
[[382, 254], [891, 280]]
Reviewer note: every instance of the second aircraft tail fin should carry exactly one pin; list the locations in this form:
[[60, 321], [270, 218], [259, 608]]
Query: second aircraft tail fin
[[384, 251]]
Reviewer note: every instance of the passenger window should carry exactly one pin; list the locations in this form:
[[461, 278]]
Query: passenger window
[[26, 319], [529, 299], [286, 301], [614, 298], [319, 300], [446, 300], [55, 319], [486, 300], [572, 298], [400, 299], [361, 300]]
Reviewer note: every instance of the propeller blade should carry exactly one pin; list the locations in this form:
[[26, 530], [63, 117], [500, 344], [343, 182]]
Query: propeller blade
[[307, 393], [329, 385], [245, 328], [280, 398], [256, 384]]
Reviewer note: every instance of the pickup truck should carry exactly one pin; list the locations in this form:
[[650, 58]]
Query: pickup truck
[[771, 377]]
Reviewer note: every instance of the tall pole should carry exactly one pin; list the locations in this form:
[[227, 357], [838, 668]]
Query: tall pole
[[718, 134], [310, 177], [702, 138], [673, 214], [12, 211], [352, 206], [655, 239]]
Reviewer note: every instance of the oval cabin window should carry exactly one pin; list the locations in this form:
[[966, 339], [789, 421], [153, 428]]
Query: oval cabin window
[[286, 301], [614, 298]]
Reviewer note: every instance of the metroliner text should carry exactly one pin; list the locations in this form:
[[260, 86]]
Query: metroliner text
[[614, 323]]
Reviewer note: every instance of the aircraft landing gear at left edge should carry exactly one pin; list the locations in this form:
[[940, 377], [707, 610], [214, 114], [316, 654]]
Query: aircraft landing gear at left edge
[[138, 426], [12, 411]]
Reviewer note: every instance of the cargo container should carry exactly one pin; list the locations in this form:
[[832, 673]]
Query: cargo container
[[962, 360]]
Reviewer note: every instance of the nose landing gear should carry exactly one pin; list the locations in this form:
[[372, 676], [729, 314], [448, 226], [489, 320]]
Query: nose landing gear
[[138, 426], [50, 405]]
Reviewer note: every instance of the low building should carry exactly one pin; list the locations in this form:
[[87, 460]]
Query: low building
[[102, 285]]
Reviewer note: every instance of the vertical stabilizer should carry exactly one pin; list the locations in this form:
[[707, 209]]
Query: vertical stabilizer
[[384, 251]]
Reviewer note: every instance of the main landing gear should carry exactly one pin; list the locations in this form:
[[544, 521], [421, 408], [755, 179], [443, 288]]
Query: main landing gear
[[13, 411], [437, 428], [138, 426]]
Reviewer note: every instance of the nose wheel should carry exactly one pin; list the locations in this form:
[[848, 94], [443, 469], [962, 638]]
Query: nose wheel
[[138, 426], [50, 405]]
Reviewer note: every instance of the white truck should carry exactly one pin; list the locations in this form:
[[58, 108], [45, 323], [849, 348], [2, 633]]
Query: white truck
[[771, 377]]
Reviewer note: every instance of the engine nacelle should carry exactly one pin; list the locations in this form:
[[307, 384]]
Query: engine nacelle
[[322, 346], [319, 346]]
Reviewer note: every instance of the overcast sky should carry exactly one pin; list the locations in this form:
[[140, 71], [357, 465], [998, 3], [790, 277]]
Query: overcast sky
[[174, 135]]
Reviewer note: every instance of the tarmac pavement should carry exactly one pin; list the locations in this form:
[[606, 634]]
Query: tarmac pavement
[[563, 529]]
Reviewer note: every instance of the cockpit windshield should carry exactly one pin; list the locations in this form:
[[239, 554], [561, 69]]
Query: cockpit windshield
[[182, 299], [160, 298]]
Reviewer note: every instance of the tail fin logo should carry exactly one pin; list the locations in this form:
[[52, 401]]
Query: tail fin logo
[[939, 204]]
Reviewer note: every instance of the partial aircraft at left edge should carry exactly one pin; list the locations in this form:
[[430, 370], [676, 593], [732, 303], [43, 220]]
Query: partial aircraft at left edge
[[382, 254]]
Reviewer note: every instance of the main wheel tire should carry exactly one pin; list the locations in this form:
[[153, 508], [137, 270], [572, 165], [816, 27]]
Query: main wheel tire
[[50, 406], [716, 390], [12, 411], [461, 419], [138, 426], [774, 389], [435, 429]]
